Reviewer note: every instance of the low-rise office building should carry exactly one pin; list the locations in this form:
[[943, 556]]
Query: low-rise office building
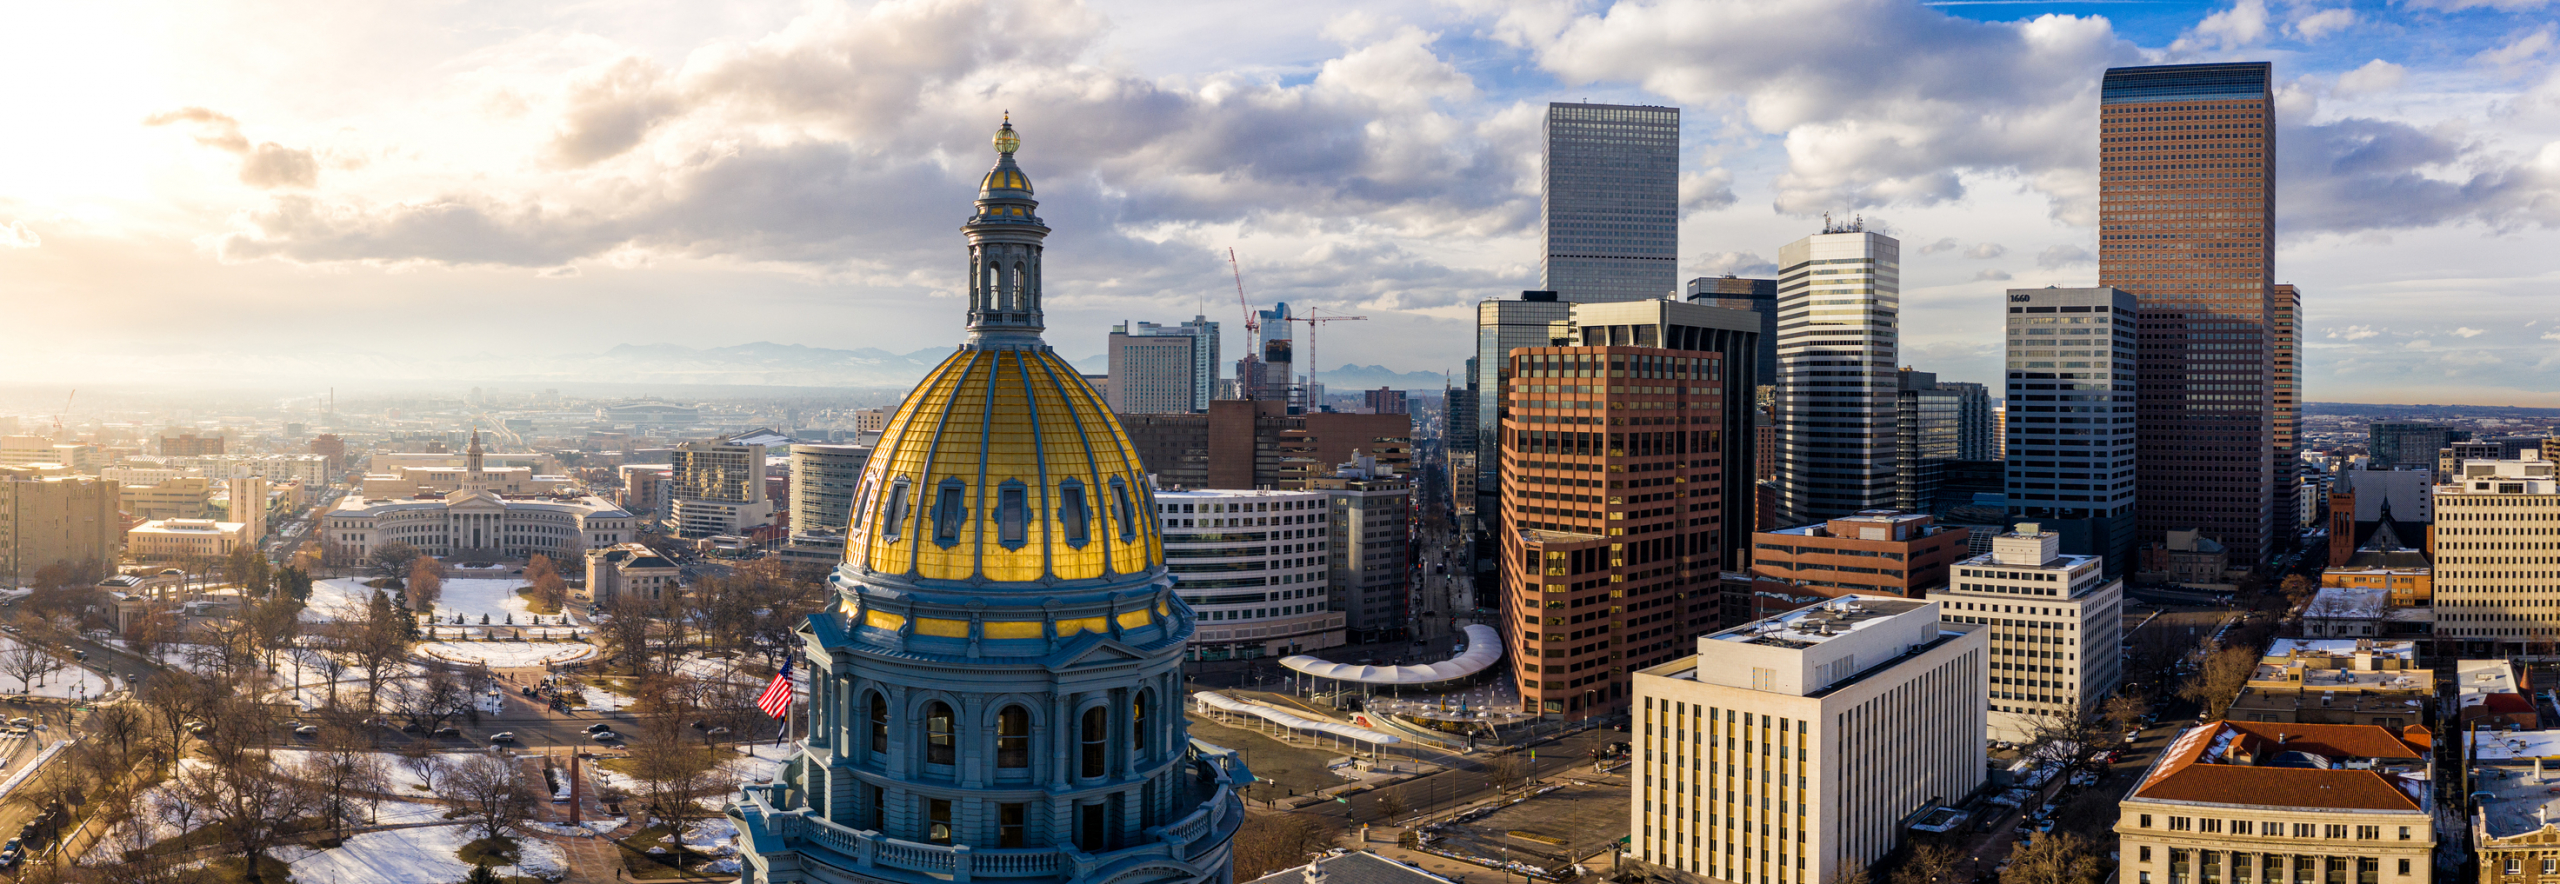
[[1877, 552], [161, 540], [52, 520], [1792, 749], [2515, 821], [629, 571], [2337, 681], [181, 497], [2249, 801]]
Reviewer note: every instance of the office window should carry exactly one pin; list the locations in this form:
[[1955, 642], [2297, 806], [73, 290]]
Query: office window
[[938, 737], [937, 828], [1009, 825], [1013, 738]]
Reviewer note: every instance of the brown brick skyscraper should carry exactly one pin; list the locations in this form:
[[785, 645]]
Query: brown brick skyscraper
[[2187, 224], [1611, 477]]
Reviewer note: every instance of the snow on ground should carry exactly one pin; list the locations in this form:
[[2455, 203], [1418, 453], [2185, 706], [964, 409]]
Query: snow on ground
[[716, 836], [423, 855], [391, 813], [508, 654], [759, 762], [68, 683], [601, 700], [398, 778], [470, 598]]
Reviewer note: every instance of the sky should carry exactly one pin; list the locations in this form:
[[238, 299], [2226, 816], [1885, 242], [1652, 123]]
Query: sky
[[257, 192]]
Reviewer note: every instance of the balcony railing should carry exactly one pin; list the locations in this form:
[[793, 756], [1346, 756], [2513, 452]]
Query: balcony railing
[[1185, 839]]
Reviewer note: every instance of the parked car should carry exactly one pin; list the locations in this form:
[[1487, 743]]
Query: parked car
[[716, 731], [606, 736], [598, 726], [448, 731], [503, 737], [308, 730]]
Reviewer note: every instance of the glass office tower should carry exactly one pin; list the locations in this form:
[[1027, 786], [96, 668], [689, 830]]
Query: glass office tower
[[1839, 297], [1610, 199]]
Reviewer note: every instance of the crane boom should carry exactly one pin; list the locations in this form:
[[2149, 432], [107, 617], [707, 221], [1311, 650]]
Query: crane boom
[[1311, 321], [1252, 326]]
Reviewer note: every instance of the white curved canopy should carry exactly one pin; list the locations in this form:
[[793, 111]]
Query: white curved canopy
[[1285, 719], [1484, 646]]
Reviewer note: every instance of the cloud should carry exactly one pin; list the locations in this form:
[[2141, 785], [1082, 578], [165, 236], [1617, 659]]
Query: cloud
[[1706, 191], [2375, 76], [2468, 332], [1946, 244], [2459, 5], [17, 235], [2061, 256], [2311, 25], [263, 165], [1991, 276], [2355, 332], [2242, 25], [610, 109], [2360, 173], [1737, 264], [2551, 336], [2511, 59], [1878, 102], [1986, 250]]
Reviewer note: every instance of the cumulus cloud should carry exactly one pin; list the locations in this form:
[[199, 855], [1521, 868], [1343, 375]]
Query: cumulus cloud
[[2468, 332], [2354, 333], [611, 108], [2512, 59], [1737, 264], [2309, 25], [1705, 191], [1942, 245], [1986, 250], [1991, 276], [2061, 256], [2242, 25], [263, 165], [2375, 76], [2551, 336], [17, 235], [1879, 101], [2459, 5]]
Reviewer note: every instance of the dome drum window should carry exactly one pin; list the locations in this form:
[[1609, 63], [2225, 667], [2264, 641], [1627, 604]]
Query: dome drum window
[[1073, 514], [1093, 761], [893, 518], [1013, 738], [940, 744], [1013, 514], [1122, 512], [949, 513]]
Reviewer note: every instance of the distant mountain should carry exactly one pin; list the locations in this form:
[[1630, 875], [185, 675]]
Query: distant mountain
[[1350, 377]]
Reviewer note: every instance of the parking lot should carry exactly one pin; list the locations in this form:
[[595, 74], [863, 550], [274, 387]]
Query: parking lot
[[1552, 830]]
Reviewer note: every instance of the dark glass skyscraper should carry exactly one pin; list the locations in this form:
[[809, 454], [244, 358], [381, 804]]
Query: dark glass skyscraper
[[1610, 198], [2187, 221]]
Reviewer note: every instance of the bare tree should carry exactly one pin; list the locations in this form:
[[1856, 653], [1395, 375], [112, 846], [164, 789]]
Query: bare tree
[[431, 699], [625, 629], [24, 661], [344, 773], [2124, 711], [175, 699], [391, 559], [673, 771], [2053, 858], [550, 591], [253, 805], [1927, 864], [426, 584], [1270, 842], [2219, 680], [419, 758], [493, 790]]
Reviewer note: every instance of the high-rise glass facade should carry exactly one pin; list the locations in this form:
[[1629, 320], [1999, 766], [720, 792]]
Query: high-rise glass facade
[[1610, 200], [2072, 417], [2187, 219], [1839, 298], [1204, 354], [1927, 436], [1759, 296]]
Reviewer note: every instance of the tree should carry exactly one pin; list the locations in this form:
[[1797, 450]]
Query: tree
[[1929, 864], [2219, 680], [624, 630], [431, 699], [380, 642], [2297, 589], [174, 699], [246, 568], [550, 590], [1270, 842], [344, 773], [1848, 874], [1390, 806], [391, 559], [295, 581], [2052, 858], [673, 771], [2125, 711], [24, 661], [426, 584], [495, 795], [252, 804]]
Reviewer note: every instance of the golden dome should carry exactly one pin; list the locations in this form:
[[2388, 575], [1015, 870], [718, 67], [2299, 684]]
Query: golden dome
[[1004, 465]]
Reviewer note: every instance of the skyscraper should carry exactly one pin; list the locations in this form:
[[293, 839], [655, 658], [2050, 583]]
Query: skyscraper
[[1927, 436], [2187, 219], [1975, 437], [1611, 489], [1204, 354], [1759, 296], [996, 687], [1839, 297], [1266, 371], [2072, 458], [1610, 199], [1154, 374]]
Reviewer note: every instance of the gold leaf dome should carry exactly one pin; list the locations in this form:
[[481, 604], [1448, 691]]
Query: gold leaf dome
[[1004, 465]]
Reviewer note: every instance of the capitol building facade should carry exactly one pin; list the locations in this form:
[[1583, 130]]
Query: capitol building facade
[[474, 520], [997, 690]]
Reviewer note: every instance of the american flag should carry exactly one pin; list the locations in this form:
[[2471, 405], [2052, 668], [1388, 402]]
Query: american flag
[[776, 698]]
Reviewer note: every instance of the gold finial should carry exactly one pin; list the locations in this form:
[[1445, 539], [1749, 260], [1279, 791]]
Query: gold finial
[[1006, 141]]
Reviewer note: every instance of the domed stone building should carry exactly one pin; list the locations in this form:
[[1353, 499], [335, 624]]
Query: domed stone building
[[997, 693]]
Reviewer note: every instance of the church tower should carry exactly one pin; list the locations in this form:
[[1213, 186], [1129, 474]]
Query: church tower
[[997, 691]]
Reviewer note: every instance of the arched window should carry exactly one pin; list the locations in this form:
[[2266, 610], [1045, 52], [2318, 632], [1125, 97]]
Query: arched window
[[938, 748], [1097, 743], [879, 723], [1013, 738]]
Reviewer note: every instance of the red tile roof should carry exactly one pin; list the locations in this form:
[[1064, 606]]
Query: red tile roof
[[2205, 764]]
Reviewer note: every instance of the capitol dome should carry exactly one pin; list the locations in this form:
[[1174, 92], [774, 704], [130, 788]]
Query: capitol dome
[[997, 692]]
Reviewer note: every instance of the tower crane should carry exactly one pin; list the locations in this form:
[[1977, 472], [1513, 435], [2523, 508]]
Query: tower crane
[[57, 416], [1252, 326], [1312, 365]]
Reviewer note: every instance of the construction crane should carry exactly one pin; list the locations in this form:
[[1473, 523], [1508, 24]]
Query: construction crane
[[1312, 365], [57, 416], [1252, 326]]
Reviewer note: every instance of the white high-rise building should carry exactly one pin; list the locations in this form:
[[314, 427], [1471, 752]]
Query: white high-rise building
[[2497, 569], [249, 505], [1839, 303], [1793, 748], [2053, 622]]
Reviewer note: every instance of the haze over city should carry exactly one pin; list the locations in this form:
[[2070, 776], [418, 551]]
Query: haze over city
[[215, 195]]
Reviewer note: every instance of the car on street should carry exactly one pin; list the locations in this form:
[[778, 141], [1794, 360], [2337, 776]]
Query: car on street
[[308, 730], [22, 721], [717, 731], [605, 736], [448, 731], [598, 726], [503, 737]]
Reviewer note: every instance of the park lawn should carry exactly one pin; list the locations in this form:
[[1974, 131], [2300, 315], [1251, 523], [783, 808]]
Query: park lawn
[[671, 864]]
